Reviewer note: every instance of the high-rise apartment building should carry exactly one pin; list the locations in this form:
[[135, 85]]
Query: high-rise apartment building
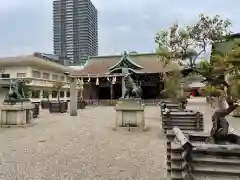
[[75, 29]]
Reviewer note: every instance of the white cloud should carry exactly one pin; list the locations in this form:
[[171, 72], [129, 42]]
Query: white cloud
[[124, 28], [146, 16], [26, 25]]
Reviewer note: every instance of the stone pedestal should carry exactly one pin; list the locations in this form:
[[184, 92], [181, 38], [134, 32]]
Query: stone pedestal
[[19, 114], [73, 97], [130, 114]]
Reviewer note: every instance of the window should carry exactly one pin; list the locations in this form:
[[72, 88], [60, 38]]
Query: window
[[62, 94], [68, 94], [5, 75], [21, 75], [45, 94], [62, 78], [46, 76], [36, 74], [54, 77], [54, 94], [35, 93]]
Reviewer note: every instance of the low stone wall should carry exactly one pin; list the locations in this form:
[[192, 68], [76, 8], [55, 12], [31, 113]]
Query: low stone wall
[[194, 159], [185, 120]]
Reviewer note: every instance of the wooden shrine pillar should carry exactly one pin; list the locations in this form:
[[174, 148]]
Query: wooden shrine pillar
[[111, 90], [73, 97]]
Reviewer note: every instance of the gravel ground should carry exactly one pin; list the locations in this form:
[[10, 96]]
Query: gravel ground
[[60, 147]]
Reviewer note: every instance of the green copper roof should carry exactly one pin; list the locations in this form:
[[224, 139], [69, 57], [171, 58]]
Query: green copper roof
[[125, 62]]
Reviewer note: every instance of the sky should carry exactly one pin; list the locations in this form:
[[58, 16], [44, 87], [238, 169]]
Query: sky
[[124, 25]]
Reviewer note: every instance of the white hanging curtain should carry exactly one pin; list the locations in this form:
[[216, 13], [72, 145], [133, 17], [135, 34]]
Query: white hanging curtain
[[97, 81], [81, 83], [89, 79], [114, 80]]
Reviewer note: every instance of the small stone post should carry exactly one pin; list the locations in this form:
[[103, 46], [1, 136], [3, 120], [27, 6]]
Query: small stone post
[[73, 97]]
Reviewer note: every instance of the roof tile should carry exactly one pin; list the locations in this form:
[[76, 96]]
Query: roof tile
[[100, 65]]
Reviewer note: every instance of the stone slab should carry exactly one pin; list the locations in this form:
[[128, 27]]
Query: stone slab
[[130, 112], [31, 124], [129, 105], [16, 115], [16, 107]]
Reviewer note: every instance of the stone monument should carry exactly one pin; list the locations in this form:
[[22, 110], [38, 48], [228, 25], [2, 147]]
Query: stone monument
[[16, 109], [129, 108]]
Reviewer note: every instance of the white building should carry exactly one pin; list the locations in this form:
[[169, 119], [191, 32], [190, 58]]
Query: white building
[[42, 73]]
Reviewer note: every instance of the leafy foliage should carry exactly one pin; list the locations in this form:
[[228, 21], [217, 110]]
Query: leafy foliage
[[235, 89], [210, 90], [224, 70], [185, 44], [172, 85]]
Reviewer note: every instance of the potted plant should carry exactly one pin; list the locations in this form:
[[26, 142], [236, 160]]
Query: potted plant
[[58, 106], [45, 103]]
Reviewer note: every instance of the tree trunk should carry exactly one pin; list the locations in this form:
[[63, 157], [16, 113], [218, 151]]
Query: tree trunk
[[81, 93], [58, 96]]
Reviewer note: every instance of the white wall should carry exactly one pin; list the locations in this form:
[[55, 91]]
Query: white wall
[[3, 93], [28, 70], [45, 71], [14, 70], [37, 84]]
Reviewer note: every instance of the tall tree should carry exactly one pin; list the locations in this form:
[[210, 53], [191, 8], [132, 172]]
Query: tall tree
[[58, 86], [172, 85], [222, 75], [185, 44]]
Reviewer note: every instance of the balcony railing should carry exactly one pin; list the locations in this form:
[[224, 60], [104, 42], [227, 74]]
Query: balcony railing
[[38, 82]]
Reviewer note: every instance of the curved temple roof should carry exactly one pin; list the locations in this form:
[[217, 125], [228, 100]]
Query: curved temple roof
[[125, 62], [141, 63]]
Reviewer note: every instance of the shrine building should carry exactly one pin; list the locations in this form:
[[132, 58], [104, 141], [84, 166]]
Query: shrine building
[[102, 75]]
